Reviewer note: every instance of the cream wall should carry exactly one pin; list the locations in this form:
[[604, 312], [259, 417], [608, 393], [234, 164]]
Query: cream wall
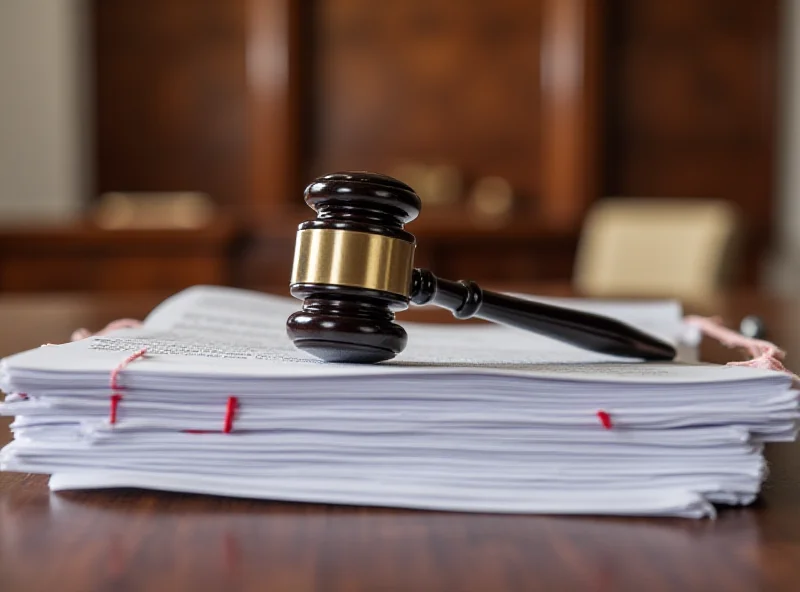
[[43, 109]]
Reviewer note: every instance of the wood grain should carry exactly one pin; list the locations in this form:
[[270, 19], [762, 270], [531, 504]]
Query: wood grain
[[171, 97], [573, 69], [138, 540], [274, 73], [431, 81], [248, 100], [81, 257]]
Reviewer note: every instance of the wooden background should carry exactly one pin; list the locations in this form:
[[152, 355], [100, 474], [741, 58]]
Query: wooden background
[[569, 100]]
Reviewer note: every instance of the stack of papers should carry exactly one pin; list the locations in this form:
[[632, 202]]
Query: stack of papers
[[470, 418]]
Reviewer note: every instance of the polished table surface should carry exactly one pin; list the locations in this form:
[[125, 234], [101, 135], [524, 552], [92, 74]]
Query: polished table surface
[[139, 540]]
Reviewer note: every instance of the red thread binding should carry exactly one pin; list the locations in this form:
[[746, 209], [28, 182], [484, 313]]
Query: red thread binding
[[115, 399], [116, 396], [605, 419], [230, 411], [764, 354], [115, 372], [227, 423]]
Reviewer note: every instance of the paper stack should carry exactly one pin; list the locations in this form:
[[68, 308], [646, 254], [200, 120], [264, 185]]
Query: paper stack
[[470, 417]]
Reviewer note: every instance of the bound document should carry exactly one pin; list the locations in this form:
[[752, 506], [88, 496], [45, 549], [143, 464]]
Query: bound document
[[209, 396]]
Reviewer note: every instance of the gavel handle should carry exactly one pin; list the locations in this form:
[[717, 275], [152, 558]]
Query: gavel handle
[[585, 330]]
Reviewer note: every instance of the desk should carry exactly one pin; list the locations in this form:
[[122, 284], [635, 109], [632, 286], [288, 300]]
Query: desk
[[134, 540]]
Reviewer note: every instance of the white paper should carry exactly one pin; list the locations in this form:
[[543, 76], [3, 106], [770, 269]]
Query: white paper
[[469, 417]]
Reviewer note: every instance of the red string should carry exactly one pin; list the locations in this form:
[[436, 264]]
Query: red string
[[116, 396], [115, 399], [765, 354], [115, 372], [227, 424], [605, 419], [230, 410]]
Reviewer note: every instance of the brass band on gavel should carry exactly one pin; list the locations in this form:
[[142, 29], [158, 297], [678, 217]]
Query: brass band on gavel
[[358, 259]]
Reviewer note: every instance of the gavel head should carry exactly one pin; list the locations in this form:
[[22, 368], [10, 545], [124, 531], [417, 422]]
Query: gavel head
[[352, 268]]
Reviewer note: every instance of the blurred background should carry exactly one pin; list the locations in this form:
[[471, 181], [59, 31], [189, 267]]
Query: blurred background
[[647, 147]]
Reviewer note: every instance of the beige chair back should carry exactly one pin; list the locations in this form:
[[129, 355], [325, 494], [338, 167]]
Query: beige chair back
[[656, 247]]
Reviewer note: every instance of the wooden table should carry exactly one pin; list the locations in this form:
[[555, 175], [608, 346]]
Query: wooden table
[[138, 540]]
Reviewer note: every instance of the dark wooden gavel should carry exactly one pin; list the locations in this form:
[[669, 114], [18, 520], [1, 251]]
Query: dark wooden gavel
[[353, 269]]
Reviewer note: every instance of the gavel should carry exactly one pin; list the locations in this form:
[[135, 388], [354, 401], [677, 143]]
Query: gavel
[[354, 268]]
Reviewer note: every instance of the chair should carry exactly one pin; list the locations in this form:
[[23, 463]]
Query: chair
[[681, 248]]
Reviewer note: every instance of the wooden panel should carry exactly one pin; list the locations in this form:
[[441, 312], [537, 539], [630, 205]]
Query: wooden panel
[[572, 62], [249, 99], [171, 97], [433, 81], [274, 74], [81, 257], [439, 82], [692, 100]]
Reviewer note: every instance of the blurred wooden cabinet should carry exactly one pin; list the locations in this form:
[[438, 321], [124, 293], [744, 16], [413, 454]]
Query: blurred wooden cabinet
[[249, 100], [79, 257], [567, 100]]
